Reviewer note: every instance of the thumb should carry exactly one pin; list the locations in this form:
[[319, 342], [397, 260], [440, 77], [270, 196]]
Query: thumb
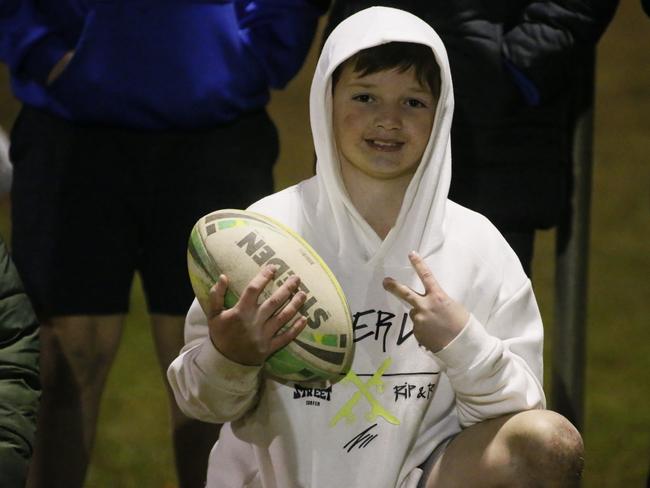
[[217, 296]]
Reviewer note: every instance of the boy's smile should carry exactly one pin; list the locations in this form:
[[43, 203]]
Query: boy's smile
[[382, 121]]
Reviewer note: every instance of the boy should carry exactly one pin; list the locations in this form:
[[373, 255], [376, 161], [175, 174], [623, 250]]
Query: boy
[[442, 364]]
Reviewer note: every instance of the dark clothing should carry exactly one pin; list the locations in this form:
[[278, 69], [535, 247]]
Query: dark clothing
[[155, 64], [158, 119], [511, 64], [523, 244], [19, 381], [81, 230]]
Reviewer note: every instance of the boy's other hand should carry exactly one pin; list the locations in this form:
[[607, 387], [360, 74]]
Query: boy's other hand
[[248, 333], [437, 319]]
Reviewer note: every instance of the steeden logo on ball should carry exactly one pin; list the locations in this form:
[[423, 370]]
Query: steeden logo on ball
[[237, 243]]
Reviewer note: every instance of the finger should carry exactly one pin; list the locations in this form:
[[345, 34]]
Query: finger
[[281, 340], [279, 298], [255, 287], [401, 291], [216, 297], [423, 271], [287, 314]]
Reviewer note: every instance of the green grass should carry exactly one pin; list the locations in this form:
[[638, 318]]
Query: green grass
[[133, 446]]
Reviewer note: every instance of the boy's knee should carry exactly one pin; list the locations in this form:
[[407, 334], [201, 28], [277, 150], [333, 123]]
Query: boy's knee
[[547, 447], [545, 430]]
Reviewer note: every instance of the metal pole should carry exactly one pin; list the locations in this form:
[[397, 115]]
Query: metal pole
[[572, 250]]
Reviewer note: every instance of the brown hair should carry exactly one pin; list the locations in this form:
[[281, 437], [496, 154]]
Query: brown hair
[[395, 55]]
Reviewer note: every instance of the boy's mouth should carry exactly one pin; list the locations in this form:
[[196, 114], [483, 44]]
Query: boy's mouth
[[383, 145]]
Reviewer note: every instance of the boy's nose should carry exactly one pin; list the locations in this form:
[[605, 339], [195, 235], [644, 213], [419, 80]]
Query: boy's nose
[[388, 118]]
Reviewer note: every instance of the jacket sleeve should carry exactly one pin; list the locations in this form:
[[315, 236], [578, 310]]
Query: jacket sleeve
[[541, 46], [28, 44], [496, 368], [278, 33], [19, 375], [207, 385]]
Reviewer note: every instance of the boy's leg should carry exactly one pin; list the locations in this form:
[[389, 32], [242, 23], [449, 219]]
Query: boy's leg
[[192, 439], [76, 356], [536, 448]]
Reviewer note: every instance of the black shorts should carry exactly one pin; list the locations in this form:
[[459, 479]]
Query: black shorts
[[91, 205]]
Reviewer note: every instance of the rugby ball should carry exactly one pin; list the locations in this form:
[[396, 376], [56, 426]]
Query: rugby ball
[[238, 243]]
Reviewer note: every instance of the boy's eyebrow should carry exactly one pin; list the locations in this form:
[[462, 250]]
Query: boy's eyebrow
[[413, 88], [360, 84]]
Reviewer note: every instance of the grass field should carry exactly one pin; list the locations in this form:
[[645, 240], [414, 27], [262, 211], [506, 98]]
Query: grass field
[[133, 447]]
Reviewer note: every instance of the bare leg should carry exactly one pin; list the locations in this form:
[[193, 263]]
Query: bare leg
[[537, 448], [192, 439], [76, 355]]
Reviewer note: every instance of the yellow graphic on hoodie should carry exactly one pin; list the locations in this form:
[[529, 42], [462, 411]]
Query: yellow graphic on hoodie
[[376, 409]]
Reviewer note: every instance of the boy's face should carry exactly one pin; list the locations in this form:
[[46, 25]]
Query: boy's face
[[382, 121]]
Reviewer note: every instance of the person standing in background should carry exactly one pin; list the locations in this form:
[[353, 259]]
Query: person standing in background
[[512, 64], [138, 118], [20, 387]]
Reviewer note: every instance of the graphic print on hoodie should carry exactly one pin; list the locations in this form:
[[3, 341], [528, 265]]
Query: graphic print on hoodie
[[377, 425]]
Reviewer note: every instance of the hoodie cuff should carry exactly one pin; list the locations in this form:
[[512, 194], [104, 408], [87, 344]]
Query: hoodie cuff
[[217, 367], [468, 347], [41, 58]]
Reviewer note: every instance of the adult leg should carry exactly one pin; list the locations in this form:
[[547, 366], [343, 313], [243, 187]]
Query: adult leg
[[192, 439], [75, 247], [225, 167], [76, 355], [536, 448]]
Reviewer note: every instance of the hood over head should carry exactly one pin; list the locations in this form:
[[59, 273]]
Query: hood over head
[[419, 225]]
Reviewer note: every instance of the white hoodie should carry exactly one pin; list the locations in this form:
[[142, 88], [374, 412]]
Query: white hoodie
[[376, 427]]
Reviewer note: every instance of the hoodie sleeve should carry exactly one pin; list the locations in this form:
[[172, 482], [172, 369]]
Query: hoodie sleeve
[[496, 368], [543, 44], [279, 34], [207, 385], [28, 44]]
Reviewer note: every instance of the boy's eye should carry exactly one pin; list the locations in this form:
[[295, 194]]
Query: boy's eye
[[363, 98], [414, 103]]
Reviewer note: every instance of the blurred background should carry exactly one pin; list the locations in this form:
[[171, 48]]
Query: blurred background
[[133, 447]]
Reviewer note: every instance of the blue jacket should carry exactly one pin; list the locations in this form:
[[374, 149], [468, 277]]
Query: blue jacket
[[155, 64]]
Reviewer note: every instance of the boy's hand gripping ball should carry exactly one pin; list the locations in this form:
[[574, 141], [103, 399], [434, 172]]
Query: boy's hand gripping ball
[[237, 243]]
